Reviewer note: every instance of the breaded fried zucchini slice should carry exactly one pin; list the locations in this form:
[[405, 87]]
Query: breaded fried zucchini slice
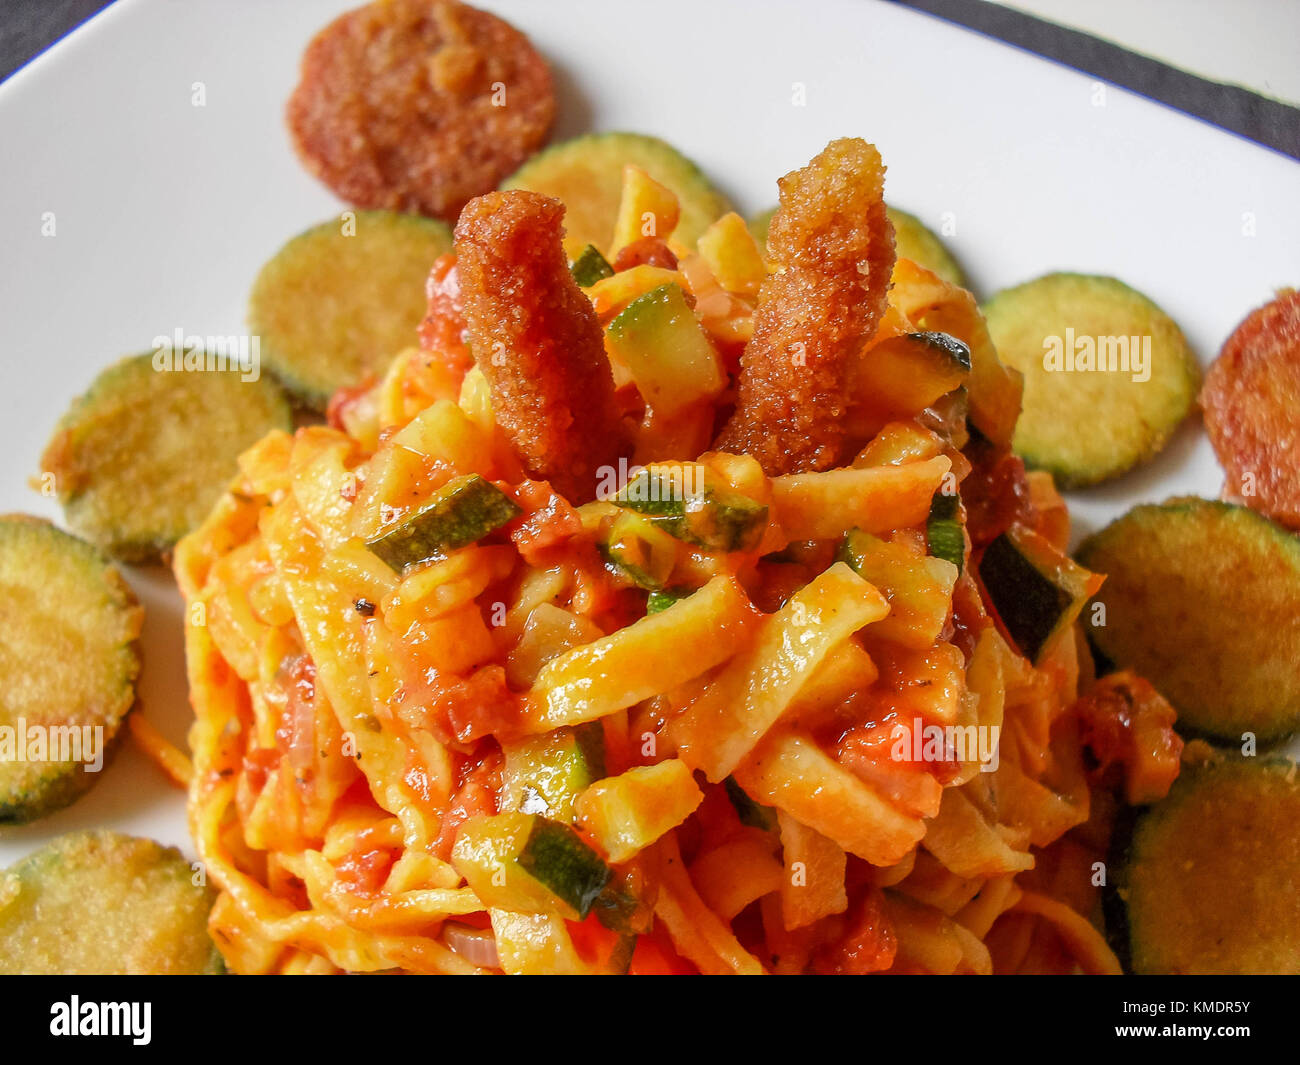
[[912, 240], [91, 903], [586, 175], [758, 225], [68, 660], [1108, 375], [1200, 598], [335, 304], [1208, 883], [140, 459]]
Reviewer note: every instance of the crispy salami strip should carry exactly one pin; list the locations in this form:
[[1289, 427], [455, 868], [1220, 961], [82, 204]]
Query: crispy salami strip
[[836, 245], [535, 336]]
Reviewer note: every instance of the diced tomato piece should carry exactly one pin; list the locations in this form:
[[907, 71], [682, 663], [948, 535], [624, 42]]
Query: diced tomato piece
[[480, 783], [548, 520], [443, 328], [995, 493], [343, 401], [867, 945], [364, 872], [1127, 725], [868, 753], [654, 956], [648, 251]]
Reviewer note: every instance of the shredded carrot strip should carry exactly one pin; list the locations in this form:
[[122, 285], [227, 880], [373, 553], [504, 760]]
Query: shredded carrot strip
[[164, 754]]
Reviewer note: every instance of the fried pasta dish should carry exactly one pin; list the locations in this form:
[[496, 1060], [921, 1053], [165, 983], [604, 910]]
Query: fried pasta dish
[[681, 609]]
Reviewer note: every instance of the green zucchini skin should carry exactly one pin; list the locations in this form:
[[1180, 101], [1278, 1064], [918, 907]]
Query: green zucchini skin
[[1028, 602], [623, 907], [1085, 426], [729, 522], [652, 493], [851, 549], [639, 550], [1200, 599], [556, 857], [751, 813], [943, 529], [461, 512], [550, 770], [1205, 880], [590, 266], [628, 569], [944, 346], [659, 340], [663, 598], [719, 520]]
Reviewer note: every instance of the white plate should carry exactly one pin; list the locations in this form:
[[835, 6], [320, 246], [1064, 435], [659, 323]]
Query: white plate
[[164, 210]]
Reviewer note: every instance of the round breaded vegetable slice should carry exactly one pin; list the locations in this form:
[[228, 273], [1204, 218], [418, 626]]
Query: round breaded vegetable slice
[[586, 175], [1251, 398], [1200, 598], [68, 662], [140, 459], [101, 903], [335, 304], [419, 105], [759, 224], [1108, 375], [912, 240], [1209, 881]]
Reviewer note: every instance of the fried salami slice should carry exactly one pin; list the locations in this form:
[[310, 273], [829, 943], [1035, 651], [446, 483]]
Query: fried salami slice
[[419, 105], [1250, 398], [536, 338], [835, 242]]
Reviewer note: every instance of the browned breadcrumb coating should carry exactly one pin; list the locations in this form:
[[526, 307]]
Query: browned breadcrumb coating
[[1250, 398], [535, 335], [836, 247], [419, 105]]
